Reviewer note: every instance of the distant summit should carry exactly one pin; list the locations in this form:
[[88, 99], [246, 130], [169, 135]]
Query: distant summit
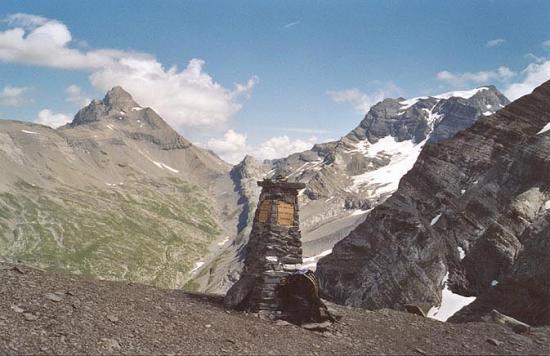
[[117, 97], [470, 219], [116, 101], [118, 111]]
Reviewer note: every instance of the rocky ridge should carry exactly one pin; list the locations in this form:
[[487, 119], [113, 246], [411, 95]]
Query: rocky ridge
[[470, 215]]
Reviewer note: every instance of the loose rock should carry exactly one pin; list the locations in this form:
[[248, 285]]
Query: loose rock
[[30, 317], [54, 297], [494, 342]]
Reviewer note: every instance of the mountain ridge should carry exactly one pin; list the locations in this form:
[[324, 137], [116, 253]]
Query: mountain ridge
[[462, 195], [347, 177]]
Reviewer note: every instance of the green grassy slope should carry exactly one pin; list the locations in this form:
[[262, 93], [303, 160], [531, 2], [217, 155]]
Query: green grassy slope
[[149, 232]]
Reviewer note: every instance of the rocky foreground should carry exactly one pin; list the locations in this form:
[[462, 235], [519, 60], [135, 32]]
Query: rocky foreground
[[48, 313]]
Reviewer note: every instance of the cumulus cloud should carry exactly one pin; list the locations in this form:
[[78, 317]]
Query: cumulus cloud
[[282, 146], [515, 84], [48, 118], [532, 76], [233, 146], [362, 101], [495, 43], [185, 98], [14, 96], [461, 79], [76, 96]]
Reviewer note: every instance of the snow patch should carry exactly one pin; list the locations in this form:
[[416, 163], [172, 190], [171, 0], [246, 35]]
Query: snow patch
[[137, 108], [30, 132], [169, 168], [494, 283], [450, 303], [465, 94], [546, 205], [158, 164], [487, 113], [410, 102], [197, 266], [224, 241], [544, 129], [272, 258], [360, 212], [386, 178], [488, 106], [461, 253], [435, 219], [462, 191], [311, 262]]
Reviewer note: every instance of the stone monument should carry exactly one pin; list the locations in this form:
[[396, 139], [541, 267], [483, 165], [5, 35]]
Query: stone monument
[[274, 249]]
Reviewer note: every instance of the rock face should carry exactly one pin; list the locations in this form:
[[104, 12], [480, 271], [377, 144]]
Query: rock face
[[473, 212], [525, 291], [116, 194], [348, 177]]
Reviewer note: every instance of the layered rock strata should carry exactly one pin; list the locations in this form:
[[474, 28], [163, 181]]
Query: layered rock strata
[[471, 217]]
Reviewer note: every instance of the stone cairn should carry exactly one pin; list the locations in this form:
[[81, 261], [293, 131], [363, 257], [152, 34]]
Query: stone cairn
[[274, 250]]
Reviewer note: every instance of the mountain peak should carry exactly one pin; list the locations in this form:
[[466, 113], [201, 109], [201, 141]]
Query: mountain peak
[[120, 98], [116, 100]]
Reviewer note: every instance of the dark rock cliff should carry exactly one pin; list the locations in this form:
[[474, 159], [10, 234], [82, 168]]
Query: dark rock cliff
[[480, 192]]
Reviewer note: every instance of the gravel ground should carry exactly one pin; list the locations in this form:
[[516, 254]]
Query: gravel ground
[[50, 313]]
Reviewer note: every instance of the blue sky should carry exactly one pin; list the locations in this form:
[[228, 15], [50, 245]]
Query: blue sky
[[306, 70]]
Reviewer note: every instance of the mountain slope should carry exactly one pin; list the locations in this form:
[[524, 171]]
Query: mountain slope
[[100, 317], [348, 177], [458, 218], [116, 194]]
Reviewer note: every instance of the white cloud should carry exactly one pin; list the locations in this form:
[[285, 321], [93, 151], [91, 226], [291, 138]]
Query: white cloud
[[302, 130], [362, 101], [76, 96], [291, 24], [546, 43], [282, 146], [14, 96], [233, 146], [26, 20], [534, 75], [495, 43], [185, 98], [461, 79], [48, 118]]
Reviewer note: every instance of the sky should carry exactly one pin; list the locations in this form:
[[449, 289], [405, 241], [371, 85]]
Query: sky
[[265, 78]]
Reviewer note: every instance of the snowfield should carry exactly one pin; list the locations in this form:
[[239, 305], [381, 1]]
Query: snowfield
[[450, 303]]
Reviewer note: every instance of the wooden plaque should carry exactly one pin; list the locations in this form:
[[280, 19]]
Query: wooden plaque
[[285, 213], [265, 211]]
